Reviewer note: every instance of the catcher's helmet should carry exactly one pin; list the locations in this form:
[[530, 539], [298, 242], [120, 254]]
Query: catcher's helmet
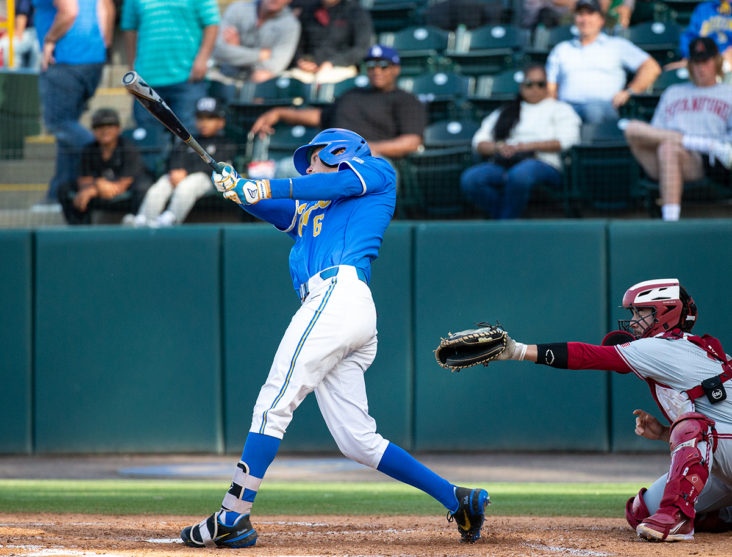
[[671, 306], [332, 141]]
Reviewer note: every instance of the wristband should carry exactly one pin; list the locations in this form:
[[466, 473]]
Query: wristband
[[555, 354]]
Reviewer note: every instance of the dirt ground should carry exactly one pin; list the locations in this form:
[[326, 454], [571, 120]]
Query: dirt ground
[[83, 535]]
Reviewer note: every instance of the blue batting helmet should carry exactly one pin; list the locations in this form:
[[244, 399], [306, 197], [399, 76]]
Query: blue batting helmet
[[331, 141]]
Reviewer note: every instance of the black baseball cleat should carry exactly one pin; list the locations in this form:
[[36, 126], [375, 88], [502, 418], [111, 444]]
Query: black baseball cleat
[[470, 513], [212, 533]]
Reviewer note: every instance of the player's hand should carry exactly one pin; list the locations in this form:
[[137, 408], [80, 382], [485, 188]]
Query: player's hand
[[239, 190], [649, 427]]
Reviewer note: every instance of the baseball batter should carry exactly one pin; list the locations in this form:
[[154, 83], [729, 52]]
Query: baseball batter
[[336, 213], [688, 376]]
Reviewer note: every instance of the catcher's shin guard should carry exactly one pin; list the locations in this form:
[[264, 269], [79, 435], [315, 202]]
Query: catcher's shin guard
[[689, 471], [470, 513], [636, 510], [212, 532]]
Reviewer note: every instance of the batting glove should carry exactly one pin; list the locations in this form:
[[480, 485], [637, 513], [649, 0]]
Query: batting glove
[[239, 190]]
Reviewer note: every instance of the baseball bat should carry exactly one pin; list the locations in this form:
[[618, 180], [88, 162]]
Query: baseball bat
[[156, 106]]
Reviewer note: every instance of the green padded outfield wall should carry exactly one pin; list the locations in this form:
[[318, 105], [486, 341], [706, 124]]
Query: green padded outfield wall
[[544, 282], [15, 341], [127, 340], [698, 253], [259, 302]]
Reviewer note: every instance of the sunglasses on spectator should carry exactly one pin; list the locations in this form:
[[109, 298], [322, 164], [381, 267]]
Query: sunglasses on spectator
[[540, 84], [383, 64]]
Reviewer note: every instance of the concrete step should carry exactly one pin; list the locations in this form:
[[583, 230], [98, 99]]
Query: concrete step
[[27, 171], [25, 218], [39, 147], [110, 97]]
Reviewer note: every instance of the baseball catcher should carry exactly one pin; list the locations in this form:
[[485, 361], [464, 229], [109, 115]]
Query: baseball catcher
[[688, 376]]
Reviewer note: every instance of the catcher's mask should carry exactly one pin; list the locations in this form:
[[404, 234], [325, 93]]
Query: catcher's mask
[[671, 307], [338, 145]]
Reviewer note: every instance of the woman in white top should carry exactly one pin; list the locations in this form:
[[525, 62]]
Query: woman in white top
[[523, 139]]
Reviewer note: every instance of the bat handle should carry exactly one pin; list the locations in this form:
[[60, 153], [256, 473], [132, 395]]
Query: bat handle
[[217, 166]]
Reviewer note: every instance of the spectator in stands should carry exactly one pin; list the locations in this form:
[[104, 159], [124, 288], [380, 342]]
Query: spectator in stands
[[257, 40], [690, 135], [189, 177], [169, 44], [523, 139], [589, 72], [547, 13], [709, 19], [448, 14], [73, 52], [335, 36], [26, 52], [390, 119], [110, 166], [617, 13]]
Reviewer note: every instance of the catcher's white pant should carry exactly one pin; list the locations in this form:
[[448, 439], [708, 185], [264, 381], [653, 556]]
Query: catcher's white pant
[[328, 346], [182, 197], [717, 493]]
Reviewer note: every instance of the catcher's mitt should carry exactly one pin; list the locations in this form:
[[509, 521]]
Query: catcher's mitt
[[471, 347]]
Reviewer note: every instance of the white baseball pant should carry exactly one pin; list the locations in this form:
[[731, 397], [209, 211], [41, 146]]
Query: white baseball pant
[[182, 197]]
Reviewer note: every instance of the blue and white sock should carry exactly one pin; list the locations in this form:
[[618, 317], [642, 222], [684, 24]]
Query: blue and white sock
[[402, 466], [259, 452]]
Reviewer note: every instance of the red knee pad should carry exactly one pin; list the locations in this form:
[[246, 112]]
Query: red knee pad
[[689, 467], [636, 510]]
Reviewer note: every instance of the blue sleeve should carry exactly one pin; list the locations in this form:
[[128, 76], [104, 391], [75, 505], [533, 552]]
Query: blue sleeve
[[279, 212], [692, 31], [353, 178]]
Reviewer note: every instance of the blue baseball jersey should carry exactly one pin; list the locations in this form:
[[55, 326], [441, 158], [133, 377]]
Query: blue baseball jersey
[[709, 19], [83, 42], [336, 218]]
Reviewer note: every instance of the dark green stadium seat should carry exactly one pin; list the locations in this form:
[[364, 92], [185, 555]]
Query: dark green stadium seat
[[444, 93], [491, 91], [256, 98], [487, 50], [642, 106], [420, 48], [281, 143], [545, 39], [326, 93], [700, 192], [659, 39], [392, 15], [449, 133], [601, 172], [681, 10]]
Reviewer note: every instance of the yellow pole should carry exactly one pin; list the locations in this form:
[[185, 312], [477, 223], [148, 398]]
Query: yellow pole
[[11, 31]]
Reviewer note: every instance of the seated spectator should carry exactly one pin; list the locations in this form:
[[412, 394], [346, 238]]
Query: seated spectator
[[110, 166], [617, 13], [709, 19], [448, 14], [390, 119], [335, 37], [547, 13], [690, 134], [26, 50], [589, 72], [173, 195], [523, 140], [256, 40]]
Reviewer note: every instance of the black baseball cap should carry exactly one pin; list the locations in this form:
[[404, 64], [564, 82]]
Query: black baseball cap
[[211, 107], [592, 5], [702, 49], [104, 117]]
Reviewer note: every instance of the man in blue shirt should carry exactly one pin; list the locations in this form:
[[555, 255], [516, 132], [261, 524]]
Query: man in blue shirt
[[73, 52], [336, 213], [589, 72]]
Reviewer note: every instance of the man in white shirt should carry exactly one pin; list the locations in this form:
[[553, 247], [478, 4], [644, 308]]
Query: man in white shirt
[[690, 135], [589, 72]]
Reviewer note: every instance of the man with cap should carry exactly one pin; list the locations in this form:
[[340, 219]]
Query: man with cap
[[714, 20], [690, 135], [589, 72], [390, 119], [110, 166], [173, 195]]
